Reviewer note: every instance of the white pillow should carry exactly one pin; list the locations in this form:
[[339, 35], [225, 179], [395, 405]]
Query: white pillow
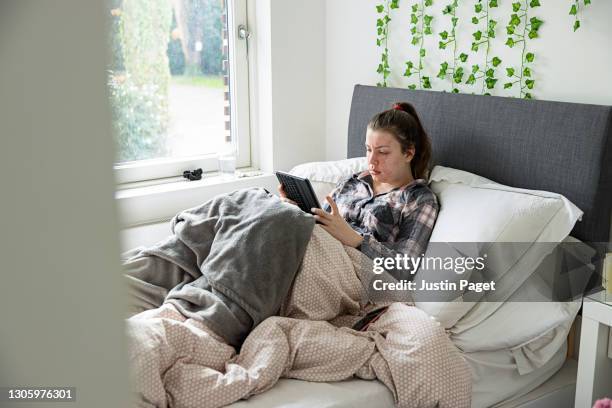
[[475, 209], [330, 171], [325, 175]]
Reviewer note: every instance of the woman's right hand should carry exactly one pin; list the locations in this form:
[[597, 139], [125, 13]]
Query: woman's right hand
[[283, 195]]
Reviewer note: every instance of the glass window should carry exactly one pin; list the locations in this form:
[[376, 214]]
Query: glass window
[[171, 85]]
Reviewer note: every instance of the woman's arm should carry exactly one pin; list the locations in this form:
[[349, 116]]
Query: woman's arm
[[416, 225]]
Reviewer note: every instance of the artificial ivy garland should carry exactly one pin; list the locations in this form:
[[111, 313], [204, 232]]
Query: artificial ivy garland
[[382, 29], [487, 72], [455, 71], [522, 27], [420, 26], [574, 10], [530, 27]]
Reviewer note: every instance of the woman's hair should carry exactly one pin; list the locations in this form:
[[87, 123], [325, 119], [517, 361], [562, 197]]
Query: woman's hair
[[404, 124]]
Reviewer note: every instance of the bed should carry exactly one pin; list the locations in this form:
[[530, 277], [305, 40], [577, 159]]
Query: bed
[[551, 146]]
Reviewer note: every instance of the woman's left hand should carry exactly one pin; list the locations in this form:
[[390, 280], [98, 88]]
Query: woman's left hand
[[336, 225]]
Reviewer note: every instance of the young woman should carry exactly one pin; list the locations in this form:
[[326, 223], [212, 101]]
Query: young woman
[[388, 209]]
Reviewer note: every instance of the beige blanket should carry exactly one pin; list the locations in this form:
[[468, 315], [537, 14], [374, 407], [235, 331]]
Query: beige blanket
[[177, 362]]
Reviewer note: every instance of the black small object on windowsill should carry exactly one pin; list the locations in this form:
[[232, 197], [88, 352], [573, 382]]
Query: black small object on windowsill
[[192, 175]]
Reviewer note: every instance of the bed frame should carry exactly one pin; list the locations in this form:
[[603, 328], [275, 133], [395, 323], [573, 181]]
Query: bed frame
[[560, 147], [552, 146]]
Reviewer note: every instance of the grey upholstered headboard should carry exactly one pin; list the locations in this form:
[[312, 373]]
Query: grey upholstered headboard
[[553, 146]]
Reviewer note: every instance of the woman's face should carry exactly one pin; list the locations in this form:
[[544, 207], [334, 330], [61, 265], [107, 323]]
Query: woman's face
[[386, 160]]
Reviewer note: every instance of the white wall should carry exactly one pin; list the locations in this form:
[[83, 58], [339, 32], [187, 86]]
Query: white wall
[[288, 51], [570, 66], [61, 297]]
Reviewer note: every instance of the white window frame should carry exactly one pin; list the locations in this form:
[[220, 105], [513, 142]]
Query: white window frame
[[146, 170]]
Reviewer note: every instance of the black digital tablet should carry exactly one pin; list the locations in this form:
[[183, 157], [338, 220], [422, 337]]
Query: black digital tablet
[[299, 190]]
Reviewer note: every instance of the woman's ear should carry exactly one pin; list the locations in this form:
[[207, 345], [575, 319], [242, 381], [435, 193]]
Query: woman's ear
[[409, 154]]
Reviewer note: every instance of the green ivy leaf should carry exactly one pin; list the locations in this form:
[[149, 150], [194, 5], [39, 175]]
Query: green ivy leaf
[[442, 45], [463, 57], [508, 85], [475, 68], [415, 40], [378, 42], [492, 23], [422, 52], [534, 3], [530, 83], [474, 20], [477, 35], [490, 73], [426, 83], [386, 19], [427, 19], [379, 23], [447, 10], [496, 61], [415, 8], [407, 73], [535, 23], [573, 10], [529, 57], [443, 70], [587, 2], [427, 30], [380, 8], [516, 6], [458, 76], [576, 25], [444, 35], [413, 86], [527, 72], [379, 30], [380, 69], [510, 29], [491, 33], [478, 7], [409, 65], [510, 42], [515, 20], [528, 96], [471, 80], [413, 30], [533, 34], [510, 71], [455, 90], [394, 4], [454, 21], [490, 82], [493, 3], [414, 19], [474, 46], [428, 3]]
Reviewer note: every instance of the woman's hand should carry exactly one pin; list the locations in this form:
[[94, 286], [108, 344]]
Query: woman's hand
[[283, 195], [336, 225]]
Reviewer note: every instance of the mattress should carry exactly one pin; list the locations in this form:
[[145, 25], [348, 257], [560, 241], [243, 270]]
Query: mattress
[[495, 381]]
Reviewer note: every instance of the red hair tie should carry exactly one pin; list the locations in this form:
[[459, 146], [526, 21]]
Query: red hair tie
[[397, 106]]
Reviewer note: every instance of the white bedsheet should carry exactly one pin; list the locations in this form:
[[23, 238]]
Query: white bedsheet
[[353, 393], [495, 381]]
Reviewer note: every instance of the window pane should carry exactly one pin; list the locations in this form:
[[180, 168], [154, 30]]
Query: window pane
[[168, 78]]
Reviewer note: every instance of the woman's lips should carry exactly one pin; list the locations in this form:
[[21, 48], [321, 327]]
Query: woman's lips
[[374, 172]]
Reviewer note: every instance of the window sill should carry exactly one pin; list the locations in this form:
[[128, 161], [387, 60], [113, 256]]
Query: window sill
[[145, 203]]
